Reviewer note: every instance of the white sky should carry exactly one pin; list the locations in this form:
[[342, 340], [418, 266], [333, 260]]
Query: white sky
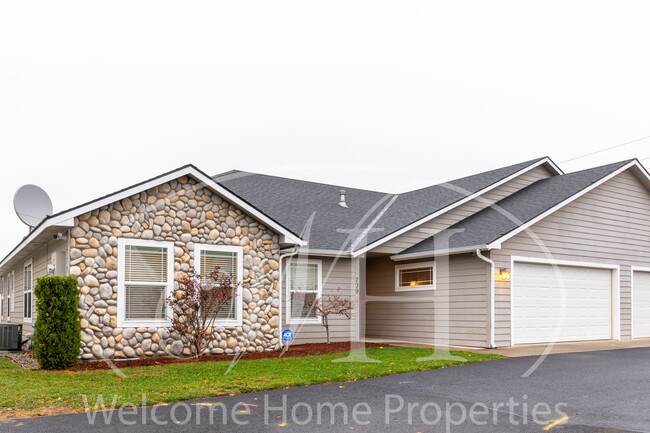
[[386, 95]]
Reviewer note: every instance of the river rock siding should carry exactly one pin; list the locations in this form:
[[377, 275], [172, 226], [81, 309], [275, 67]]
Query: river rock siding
[[185, 213]]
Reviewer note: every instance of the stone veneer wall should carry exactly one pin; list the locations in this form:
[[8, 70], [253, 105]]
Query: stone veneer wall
[[185, 213]]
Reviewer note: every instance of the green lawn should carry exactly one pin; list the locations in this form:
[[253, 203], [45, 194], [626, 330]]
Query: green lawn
[[28, 393]]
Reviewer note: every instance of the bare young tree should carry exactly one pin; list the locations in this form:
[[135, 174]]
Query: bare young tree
[[196, 305], [331, 305]]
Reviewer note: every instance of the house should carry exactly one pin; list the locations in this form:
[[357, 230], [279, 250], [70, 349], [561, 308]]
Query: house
[[518, 255]]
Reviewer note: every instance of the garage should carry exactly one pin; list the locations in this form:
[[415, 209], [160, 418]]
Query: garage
[[553, 303], [641, 304]]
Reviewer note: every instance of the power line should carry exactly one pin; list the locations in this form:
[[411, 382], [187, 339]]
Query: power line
[[606, 149]]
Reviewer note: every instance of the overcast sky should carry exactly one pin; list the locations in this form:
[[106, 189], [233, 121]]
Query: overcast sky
[[384, 95]]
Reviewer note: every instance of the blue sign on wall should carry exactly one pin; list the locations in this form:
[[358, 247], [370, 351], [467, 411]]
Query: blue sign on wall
[[287, 335]]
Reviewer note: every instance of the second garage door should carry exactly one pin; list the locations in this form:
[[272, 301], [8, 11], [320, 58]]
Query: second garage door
[[560, 303]]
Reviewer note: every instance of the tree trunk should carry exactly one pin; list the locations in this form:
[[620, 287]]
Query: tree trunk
[[327, 328]]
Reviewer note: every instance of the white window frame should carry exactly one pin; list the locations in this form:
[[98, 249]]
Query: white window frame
[[3, 299], [29, 319], [239, 303], [122, 243], [303, 320], [398, 268], [11, 291]]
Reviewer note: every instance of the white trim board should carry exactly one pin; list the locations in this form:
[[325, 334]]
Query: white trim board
[[436, 214], [66, 218], [634, 269], [616, 287]]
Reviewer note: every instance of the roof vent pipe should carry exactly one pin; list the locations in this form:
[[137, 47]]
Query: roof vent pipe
[[342, 202]]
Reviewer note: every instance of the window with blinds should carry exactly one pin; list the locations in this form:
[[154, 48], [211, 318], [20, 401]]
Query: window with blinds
[[146, 281], [226, 261], [27, 291], [229, 260], [304, 289]]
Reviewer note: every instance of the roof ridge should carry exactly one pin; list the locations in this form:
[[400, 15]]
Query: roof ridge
[[523, 164], [228, 175], [232, 174], [611, 164]]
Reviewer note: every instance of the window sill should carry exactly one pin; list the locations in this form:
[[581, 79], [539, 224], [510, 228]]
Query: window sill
[[415, 288], [227, 323], [144, 324], [27, 320], [304, 322]]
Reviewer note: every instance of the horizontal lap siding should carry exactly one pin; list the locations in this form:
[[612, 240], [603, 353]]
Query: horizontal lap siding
[[416, 235], [460, 303], [40, 260], [337, 278], [610, 225]]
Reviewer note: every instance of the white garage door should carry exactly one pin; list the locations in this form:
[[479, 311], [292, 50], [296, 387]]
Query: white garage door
[[563, 303], [641, 305]]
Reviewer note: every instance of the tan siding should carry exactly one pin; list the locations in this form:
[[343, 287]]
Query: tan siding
[[607, 225], [338, 276], [40, 260], [429, 228], [460, 302]]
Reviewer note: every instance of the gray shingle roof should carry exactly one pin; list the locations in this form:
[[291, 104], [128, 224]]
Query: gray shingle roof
[[293, 203], [492, 223]]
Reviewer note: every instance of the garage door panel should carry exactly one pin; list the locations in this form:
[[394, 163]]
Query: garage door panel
[[562, 303], [641, 304]]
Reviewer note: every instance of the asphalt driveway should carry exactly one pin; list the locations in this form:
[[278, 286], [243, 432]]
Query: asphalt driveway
[[606, 391]]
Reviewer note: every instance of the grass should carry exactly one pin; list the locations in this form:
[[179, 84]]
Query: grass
[[31, 393]]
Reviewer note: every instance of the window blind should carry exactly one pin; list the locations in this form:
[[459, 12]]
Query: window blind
[[145, 302], [27, 292], [145, 282], [145, 264], [226, 261]]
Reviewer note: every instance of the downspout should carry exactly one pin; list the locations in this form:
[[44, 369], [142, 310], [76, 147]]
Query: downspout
[[289, 253], [490, 262]]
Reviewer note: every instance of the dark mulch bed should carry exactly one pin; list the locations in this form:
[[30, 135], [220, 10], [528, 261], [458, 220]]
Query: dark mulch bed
[[293, 352]]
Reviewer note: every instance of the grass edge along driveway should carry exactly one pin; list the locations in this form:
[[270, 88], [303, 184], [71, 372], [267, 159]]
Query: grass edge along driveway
[[28, 393]]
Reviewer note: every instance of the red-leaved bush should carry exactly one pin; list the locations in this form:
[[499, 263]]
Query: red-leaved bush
[[196, 305]]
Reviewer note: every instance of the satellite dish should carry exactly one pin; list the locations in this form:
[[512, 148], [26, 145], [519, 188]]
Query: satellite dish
[[32, 205]]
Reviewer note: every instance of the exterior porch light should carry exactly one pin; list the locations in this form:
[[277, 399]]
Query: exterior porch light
[[504, 274]]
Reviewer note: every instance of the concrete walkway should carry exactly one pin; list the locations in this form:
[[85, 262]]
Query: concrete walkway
[[574, 347], [536, 349]]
